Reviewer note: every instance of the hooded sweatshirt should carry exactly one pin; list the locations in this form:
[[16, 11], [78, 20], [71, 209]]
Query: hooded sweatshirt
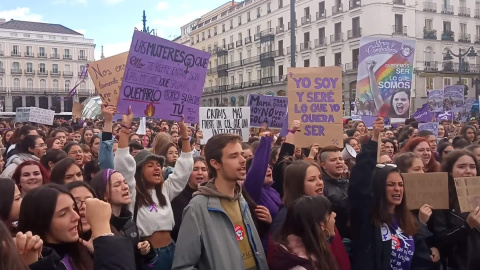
[[14, 161], [218, 232]]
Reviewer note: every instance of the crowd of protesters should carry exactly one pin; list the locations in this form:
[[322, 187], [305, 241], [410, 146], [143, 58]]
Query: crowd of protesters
[[97, 194]]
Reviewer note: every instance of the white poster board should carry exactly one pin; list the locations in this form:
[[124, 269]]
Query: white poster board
[[217, 120], [35, 115]]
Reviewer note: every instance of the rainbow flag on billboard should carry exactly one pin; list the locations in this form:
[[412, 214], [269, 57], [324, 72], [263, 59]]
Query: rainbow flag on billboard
[[384, 80]]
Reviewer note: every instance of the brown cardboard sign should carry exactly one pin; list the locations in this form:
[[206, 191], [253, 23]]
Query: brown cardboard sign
[[468, 193], [426, 188], [77, 110]]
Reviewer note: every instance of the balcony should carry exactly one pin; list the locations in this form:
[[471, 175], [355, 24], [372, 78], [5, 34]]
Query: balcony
[[307, 19], [42, 72], [279, 29], [448, 66], [80, 74], [337, 9], [235, 64], [239, 43], [337, 37], [68, 74], [256, 37], [448, 35], [14, 53], [399, 2], [211, 70], [399, 30], [221, 51], [464, 37], [430, 7], [2, 70], [67, 57], [248, 40], [430, 65], [354, 33], [55, 73], [477, 39], [42, 55], [304, 46], [82, 57], [267, 35], [464, 11], [477, 13], [17, 71], [351, 66], [28, 54], [355, 4], [230, 46], [321, 15], [280, 52], [29, 72], [429, 34], [320, 42], [251, 60], [54, 56], [447, 9], [267, 55]]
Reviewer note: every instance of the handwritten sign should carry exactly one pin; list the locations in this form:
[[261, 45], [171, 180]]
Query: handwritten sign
[[431, 126], [426, 188], [267, 109], [23, 114], [35, 115], [163, 79], [217, 120], [315, 98], [468, 193], [77, 109], [107, 76]]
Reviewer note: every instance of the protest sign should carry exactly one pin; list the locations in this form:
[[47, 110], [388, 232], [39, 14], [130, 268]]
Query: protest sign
[[315, 98], [464, 114], [445, 116], [22, 114], [163, 79], [468, 193], [435, 100], [368, 121], [284, 130], [454, 98], [384, 79], [77, 110], [267, 109], [426, 188], [35, 115], [107, 76], [430, 126], [217, 120], [423, 114]]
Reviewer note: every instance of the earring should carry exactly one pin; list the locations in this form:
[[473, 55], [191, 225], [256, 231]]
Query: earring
[[327, 233]]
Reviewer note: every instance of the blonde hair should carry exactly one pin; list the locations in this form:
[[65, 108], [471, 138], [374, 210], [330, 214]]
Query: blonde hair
[[161, 139]]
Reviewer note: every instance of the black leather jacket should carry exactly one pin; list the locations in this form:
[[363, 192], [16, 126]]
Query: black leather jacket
[[336, 190]]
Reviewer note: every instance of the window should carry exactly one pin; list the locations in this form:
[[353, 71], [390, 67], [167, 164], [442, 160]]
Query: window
[[1, 64], [42, 68], [41, 51], [16, 83], [447, 81], [223, 27], [67, 85], [240, 36], [54, 52], [43, 84], [232, 80], [16, 66], [306, 62], [429, 83], [240, 78], [239, 20], [82, 67], [258, 12], [29, 51], [215, 31], [55, 68], [269, 7], [82, 54], [231, 39], [280, 3], [463, 29], [248, 16], [321, 61], [67, 53], [269, 24], [82, 85], [67, 67], [428, 24], [465, 81], [231, 24], [55, 84], [257, 30], [428, 54], [29, 67], [398, 23], [338, 59], [16, 50], [29, 83], [259, 74]]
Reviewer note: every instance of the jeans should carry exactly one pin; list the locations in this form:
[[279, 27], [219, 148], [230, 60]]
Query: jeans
[[164, 258]]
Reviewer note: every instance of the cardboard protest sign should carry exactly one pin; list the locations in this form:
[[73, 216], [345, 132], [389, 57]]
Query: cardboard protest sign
[[315, 98], [217, 120], [426, 188], [468, 193], [163, 79], [453, 98], [107, 76], [431, 126], [384, 79], [77, 110], [435, 100], [35, 115], [267, 109]]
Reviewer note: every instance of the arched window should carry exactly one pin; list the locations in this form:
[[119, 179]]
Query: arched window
[[16, 83], [67, 85], [43, 84], [428, 54], [30, 84], [55, 84], [1, 82]]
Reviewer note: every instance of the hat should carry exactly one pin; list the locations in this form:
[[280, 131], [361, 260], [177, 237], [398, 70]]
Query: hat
[[145, 155]]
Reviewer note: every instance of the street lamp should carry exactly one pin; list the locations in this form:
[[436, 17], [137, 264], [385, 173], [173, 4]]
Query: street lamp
[[469, 53]]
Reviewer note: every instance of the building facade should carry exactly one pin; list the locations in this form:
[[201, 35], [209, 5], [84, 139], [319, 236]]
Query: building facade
[[40, 63], [250, 43]]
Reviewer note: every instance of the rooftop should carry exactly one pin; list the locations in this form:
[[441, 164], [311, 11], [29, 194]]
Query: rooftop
[[38, 27]]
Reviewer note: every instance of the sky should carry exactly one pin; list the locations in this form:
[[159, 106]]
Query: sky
[[110, 22]]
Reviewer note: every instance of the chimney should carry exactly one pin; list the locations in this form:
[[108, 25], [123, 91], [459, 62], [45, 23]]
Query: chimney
[[102, 56]]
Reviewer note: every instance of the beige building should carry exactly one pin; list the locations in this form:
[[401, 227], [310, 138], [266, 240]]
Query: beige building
[[40, 63]]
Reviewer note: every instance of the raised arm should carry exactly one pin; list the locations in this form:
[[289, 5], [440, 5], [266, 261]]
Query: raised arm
[[105, 153], [377, 96], [256, 175]]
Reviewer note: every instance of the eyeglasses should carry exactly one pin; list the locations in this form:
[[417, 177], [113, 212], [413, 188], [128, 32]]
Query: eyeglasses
[[80, 203], [381, 166]]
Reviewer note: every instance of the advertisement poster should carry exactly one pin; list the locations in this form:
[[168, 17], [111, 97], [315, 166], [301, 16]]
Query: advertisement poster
[[384, 80]]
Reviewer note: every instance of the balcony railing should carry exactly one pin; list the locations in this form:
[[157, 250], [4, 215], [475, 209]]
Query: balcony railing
[[430, 6], [448, 35], [337, 9], [266, 55], [430, 65], [477, 39], [28, 54], [230, 46], [54, 73], [16, 53], [306, 20], [399, 30], [279, 29], [354, 33], [67, 56], [235, 64], [239, 43], [42, 73], [464, 37], [248, 40], [29, 72], [80, 74], [351, 66], [447, 9], [320, 42], [16, 71], [304, 46], [67, 73], [321, 14], [355, 4], [251, 60], [429, 34], [280, 52], [82, 57], [256, 37], [42, 55], [399, 2], [477, 13], [55, 56], [337, 37], [455, 67], [464, 11]]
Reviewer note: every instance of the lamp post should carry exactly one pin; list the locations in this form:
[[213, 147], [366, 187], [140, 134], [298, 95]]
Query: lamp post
[[469, 53], [293, 28], [146, 29]]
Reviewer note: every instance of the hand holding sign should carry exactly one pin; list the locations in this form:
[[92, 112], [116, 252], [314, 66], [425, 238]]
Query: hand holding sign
[[473, 219], [378, 127], [425, 213]]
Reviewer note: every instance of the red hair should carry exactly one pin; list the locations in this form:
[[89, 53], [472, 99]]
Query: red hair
[[432, 165], [18, 172]]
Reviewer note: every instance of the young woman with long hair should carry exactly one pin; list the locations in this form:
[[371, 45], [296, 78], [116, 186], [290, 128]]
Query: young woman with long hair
[[87, 154], [17, 137], [10, 200], [51, 158], [87, 136], [444, 148], [421, 147], [53, 143], [468, 133], [82, 191], [457, 234], [95, 146], [66, 171], [30, 175], [31, 147], [409, 163], [74, 151], [150, 201], [305, 235]]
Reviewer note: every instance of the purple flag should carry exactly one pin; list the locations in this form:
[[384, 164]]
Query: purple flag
[[423, 114], [445, 116], [284, 130]]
